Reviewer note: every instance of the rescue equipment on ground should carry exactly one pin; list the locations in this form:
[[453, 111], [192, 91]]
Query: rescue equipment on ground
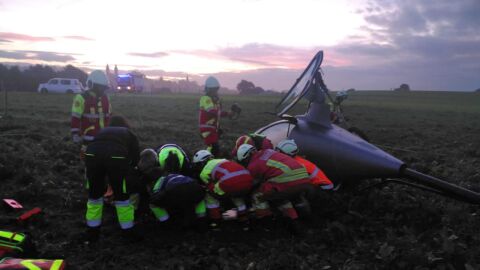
[[12, 204], [31, 264]]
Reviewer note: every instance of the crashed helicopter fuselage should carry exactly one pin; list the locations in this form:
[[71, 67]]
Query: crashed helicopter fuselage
[[343, 156]]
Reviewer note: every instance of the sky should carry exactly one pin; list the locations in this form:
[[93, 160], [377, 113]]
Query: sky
[[368, 44]]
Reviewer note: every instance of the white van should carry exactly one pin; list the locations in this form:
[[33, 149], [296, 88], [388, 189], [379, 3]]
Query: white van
[[61, 85]]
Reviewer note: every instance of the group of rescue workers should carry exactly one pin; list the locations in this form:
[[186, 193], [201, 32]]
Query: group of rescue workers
[[257, 179]]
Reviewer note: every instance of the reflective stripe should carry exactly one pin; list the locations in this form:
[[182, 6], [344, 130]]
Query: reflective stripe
[[159, 213], [94, 212], [94, 223], [267, 154], [165, 151], [211, 202], [279, 165], [206, 126], [56, 265], [164, 218], [231, 175], [91, 115], [158, 184], [126, 225], [74, 130], [118, 157], [12, 236], [96, 201], [88, 138], [122, 203], [209, 170], [125, 213], [292, 176], [242, 207], [217, 167], [314, 173], [327, 186], [213, 205], [124, 186], [201, 209], [101, 115], [217, 189], [76, 115], [30, 264]]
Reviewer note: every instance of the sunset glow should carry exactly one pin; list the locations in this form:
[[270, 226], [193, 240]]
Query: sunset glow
[[206, 37]]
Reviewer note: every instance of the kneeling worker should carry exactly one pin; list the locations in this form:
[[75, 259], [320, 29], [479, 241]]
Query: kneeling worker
[[113, 153], [173, 159], [283, 179], [224, 179], [176, 193], [317, 176]]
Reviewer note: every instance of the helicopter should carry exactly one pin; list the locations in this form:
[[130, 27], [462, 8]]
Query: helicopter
[[344, 156]]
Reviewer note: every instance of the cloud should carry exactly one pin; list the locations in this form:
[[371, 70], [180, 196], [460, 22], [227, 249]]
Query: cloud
[[428, 46], [269, 55], [149, 55], [21, 37], [37, 55], [81, 38], [264, 56]]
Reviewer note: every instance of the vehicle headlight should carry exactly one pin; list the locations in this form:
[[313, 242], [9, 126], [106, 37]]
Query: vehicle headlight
[[118, 88], [128, 87]]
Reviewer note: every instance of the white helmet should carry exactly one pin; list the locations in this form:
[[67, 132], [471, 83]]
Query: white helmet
[[244, 151], [201, 156], [97, 77], [212, 83], [288, 147]]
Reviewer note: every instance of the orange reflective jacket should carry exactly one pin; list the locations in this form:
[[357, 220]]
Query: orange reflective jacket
[[317, 177]]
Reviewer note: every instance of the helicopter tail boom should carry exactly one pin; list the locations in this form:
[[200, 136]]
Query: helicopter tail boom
[[445, 187]]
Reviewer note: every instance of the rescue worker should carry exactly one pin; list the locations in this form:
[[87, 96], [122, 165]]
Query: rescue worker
[[148, 165], [317, 176], [261, 142], [173, 159], [282, 179], [113, 153], [91, 110], [179, 194], [224, 179], [210, 113]]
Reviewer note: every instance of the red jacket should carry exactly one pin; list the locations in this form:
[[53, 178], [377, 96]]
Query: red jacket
[[89, 114], [224, 176], [269, 165], [210, 111]]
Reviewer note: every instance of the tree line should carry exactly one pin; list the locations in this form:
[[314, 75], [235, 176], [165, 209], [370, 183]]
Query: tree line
[[16, 79]]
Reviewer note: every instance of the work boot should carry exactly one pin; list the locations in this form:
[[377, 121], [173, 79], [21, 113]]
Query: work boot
[[92, 234], [132, 235], [201, 225], [294, 227]]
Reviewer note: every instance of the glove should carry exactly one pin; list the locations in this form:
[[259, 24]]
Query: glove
[[230, 214], [76, 138]]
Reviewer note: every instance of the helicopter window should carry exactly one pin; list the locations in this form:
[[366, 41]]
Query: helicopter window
[[277, 131], [301, 86]]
